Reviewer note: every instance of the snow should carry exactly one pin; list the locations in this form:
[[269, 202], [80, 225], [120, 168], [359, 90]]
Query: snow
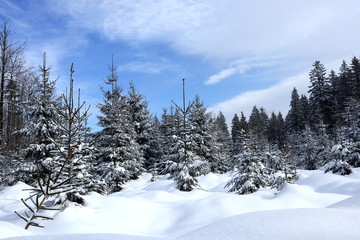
[[317, 206], [284, 224]]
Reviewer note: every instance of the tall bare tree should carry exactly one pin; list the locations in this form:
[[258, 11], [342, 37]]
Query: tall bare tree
[[8, 50]]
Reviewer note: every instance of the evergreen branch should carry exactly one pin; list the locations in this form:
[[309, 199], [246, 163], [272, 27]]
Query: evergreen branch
[[34, 224], [43, 217], [30, 208], [21, 216]]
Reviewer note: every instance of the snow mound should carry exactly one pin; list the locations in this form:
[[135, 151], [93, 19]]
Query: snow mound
[[351, 202], [102, 236], [331, 183], [300, 224], [157, 210], [10, 230]]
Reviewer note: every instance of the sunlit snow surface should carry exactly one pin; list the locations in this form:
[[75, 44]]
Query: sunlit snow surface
[[317, 206]]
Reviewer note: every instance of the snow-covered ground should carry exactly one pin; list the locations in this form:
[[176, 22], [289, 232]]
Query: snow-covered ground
[[317, 206]]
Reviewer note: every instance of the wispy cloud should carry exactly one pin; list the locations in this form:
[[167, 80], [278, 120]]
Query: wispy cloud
[[221, 75], [244, 28], [226, 37], [274, 99], [146, 67], [239, 67]]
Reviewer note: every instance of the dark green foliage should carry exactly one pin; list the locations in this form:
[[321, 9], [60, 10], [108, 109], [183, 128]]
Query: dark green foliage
[[120, 157], [251, 173]]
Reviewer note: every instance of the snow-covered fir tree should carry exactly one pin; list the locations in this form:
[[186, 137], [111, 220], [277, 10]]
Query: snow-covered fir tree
[[42, 128], [56, 180], [258, 123], [236, 135], [120, 156], [180, 161], [223, 142], [321, 99], [295, 120], [146, 136], [202, 142], [339, 164], [251, 173], [73, 156]]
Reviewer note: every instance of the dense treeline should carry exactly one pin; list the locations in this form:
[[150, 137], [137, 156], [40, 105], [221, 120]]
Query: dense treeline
[[45, 140]]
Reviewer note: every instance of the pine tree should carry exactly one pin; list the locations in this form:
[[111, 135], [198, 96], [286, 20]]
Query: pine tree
[[144, 127], [223, 142], [321, 105], [338, 165], [280, 130], [273, 129], [156, 149], [236, 135], [57, 177], [304, 110], [258, 123], [244, 123], [204, 144], [355, 76], [180, 159], [345, 87], [120, 156], [251, 174], [294, 121], [43, 129], [314, 148]]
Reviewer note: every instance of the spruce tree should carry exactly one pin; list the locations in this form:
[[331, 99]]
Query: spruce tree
[[236, 135], [294, 119], [203, 142], [251, 174], [180, 159], [223, 142], [258, 123], [143, 126], [321, 104], [355, 76], [56, 178], [42, 128], [304, 111], [280, 130], [273, 129], [120, 157]]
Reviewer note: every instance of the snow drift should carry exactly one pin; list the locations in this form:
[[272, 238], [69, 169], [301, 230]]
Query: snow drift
[[317, 206]]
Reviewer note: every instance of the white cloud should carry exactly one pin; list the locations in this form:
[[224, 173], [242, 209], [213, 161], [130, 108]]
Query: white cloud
[[146, 67], [281, 33], [273, 99], [221, 75], [226, 29], [239, 67]]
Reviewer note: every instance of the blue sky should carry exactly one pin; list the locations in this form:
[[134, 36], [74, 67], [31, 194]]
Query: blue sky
[[233, 54]]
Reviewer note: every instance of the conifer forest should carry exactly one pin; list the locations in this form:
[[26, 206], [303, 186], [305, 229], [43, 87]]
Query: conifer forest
[[46, 142]]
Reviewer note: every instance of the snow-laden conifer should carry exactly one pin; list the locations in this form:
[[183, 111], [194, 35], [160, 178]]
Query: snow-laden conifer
[[339, 163], [179, 160], [251, 173], [55, 180], [120, 156], [42, 129], [223, 142], [202, 141], [146, 135]]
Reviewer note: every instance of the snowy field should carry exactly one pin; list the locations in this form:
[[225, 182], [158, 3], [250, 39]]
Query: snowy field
[[317, 206]]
